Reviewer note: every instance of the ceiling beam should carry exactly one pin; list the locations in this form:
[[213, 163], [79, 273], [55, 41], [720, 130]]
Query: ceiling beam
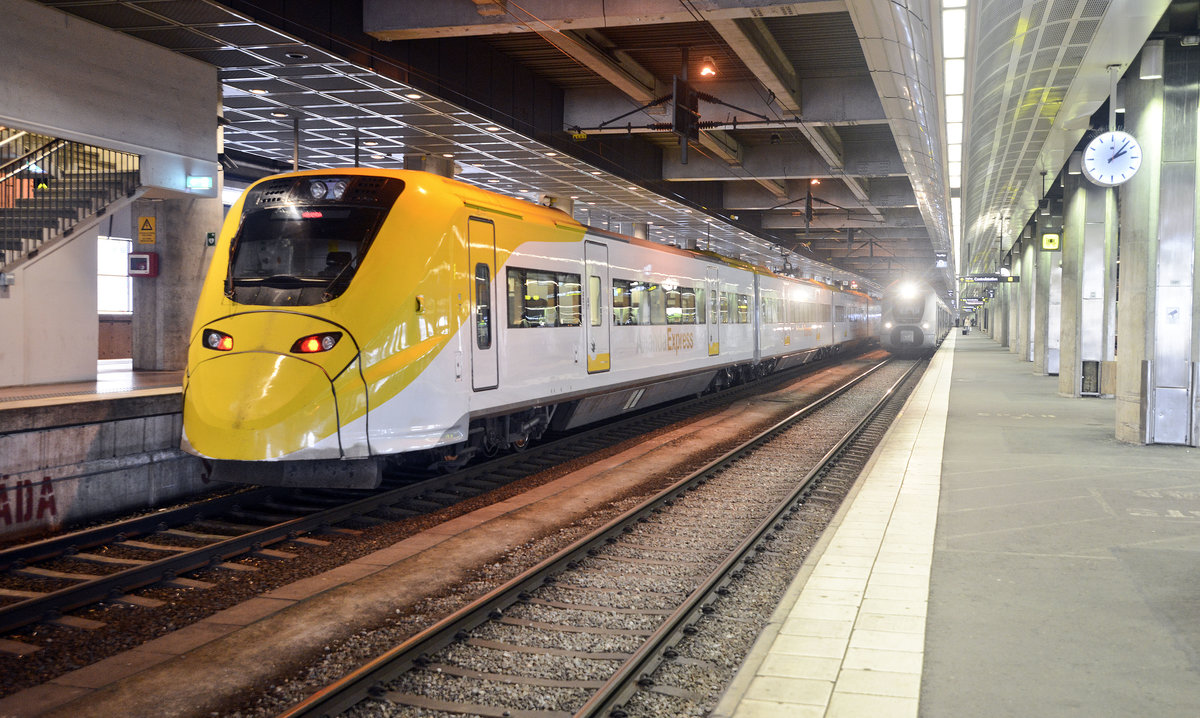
[[757, 49], [787, 161], [407, 20]]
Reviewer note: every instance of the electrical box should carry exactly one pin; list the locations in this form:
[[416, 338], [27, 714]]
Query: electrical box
[[143, 264]]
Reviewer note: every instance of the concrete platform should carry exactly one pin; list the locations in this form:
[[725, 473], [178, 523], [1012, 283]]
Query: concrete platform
[[71, 453], [1003, 556]]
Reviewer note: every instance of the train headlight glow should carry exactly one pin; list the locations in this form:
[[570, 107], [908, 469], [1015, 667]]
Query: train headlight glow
[[925, 325], [887, 325], [908, 290], [316, 343], [219, 341]]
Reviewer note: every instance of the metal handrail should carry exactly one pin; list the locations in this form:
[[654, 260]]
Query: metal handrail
[[27, 160], [46, 191]]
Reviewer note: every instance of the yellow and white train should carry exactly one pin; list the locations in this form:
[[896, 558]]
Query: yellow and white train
[[360, 316]]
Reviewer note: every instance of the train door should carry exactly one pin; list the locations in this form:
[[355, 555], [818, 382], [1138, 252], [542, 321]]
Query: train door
[[481, 253], [596, 307], [712, 287]]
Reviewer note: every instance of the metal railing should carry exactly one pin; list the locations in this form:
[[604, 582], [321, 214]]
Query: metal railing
[[52, 185]]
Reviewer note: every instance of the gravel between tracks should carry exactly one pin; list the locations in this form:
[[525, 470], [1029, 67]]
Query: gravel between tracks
[[65, 649]]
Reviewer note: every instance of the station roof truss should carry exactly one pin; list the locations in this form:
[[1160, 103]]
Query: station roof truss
[[821, 136]]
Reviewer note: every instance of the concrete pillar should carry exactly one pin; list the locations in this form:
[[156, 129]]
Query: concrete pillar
[[1047, 291], [1021, 307], [163, 306], [1088, 290], [1156, 350], [1002, 315]]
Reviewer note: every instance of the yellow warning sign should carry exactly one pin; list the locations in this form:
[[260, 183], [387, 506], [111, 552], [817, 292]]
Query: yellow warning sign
[[146, 231]]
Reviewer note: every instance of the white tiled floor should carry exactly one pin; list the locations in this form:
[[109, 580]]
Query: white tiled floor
[[852, 642]]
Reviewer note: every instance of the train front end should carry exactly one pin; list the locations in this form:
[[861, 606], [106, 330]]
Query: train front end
[[909, 319], [275, 391]]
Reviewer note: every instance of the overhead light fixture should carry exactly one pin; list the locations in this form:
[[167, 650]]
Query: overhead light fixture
[[814, 181], [491, 128], [1189, 40], [295, 56], [257, 91], [1073, 166], [370, 143], [447, 155], [279, 114], [1152, 61], [708, 68], [413, 95]]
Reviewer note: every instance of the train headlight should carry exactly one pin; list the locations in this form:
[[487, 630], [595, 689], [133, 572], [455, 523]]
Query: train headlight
[[908, 290], [925, 325], [887, 325], [337, 189], [219, 341], [316, 343], [317, 189]]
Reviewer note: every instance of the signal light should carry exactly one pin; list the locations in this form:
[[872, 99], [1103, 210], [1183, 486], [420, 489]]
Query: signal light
[[316, 343], [219, 341]]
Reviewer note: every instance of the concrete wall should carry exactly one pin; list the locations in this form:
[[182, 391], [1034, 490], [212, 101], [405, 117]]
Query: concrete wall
[[163, 306], [66, 77], [51, 310], [64, 464]]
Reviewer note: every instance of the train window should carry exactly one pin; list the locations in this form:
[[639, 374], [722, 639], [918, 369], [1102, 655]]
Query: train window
[[306, 250], [681, 306], [839, 313], [701, 314], [624, 311], [483, 306], [596, 306], [653, 304], [743, 309], [543, 299], [726, 300], [770, 308], [570, 301], [674, 300]]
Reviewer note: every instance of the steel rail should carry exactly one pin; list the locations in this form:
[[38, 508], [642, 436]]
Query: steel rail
[[89, 591], [607, 699], [368, 680]]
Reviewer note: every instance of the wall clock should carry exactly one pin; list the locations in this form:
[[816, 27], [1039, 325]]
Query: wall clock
[[1112, 158]]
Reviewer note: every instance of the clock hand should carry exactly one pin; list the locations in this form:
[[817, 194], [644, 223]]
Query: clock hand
[[1119, 152]]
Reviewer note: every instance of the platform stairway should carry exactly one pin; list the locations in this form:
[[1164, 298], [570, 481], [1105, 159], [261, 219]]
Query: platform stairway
[[49, 185]]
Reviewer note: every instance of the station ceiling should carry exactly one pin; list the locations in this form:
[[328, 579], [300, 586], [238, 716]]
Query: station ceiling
[[822, 134]]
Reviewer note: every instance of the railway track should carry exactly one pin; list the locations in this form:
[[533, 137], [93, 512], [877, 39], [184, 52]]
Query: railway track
[[586, 631], [110, 562]]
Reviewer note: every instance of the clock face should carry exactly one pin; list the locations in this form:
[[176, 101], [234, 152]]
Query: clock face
[[1111, 158]]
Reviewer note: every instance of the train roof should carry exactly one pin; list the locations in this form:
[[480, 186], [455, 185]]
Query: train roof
[[525, 209]]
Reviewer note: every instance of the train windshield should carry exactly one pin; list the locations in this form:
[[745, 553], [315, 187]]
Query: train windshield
[[301, 240], [908, 310]]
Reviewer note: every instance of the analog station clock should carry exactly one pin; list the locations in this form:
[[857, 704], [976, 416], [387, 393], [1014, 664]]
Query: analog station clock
[[1112, 158]]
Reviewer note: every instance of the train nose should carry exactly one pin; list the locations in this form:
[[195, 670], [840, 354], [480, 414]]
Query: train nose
[[260, 406], [274, 389]]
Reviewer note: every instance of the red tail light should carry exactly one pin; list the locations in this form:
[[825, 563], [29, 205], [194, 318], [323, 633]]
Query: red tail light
[[315, 343]]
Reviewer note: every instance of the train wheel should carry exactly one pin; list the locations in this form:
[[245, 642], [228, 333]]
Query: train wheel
[[521, 444]]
